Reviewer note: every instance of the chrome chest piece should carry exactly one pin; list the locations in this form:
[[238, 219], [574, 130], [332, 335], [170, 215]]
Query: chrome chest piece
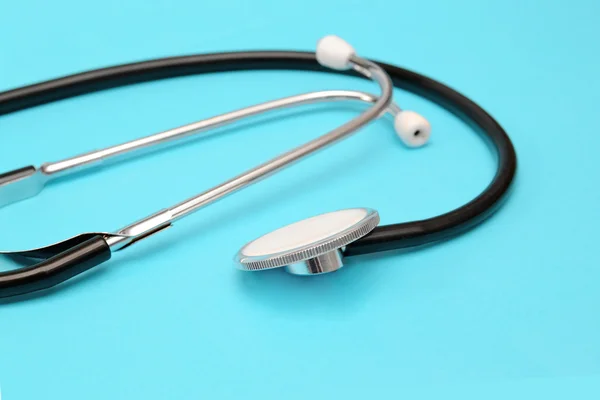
[[311, 246]]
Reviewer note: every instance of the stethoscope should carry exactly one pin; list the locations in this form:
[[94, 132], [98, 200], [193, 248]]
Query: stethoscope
[[308, 247]]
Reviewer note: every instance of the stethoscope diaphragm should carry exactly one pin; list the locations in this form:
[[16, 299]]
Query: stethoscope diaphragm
[[311, 246]]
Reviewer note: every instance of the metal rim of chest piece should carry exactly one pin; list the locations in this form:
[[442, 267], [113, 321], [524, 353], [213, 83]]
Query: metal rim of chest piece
[[310, 246]]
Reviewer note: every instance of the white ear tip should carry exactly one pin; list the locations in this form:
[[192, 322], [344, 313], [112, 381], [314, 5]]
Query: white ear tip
[[412, 128], [334, 52]]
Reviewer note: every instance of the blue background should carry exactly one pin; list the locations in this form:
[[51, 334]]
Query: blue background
[[509, 310]]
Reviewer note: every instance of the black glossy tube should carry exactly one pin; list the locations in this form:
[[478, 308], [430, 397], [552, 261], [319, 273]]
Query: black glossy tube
[[383, 238], [56, 269]]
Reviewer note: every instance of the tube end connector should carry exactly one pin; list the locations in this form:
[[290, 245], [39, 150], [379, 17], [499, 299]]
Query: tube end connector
[[20, 184]]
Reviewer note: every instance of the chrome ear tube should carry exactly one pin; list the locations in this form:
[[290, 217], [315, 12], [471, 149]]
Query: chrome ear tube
[[23, 183]]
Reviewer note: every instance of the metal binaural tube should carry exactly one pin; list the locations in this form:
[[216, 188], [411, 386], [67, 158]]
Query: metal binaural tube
[[380, 105], [162, 139], [249, 177]]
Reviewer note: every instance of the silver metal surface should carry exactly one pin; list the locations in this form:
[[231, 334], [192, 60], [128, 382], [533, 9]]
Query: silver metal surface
[[262, 171], [20, 189], [156, 141], [180, 210], [317, 254], [328, 262]]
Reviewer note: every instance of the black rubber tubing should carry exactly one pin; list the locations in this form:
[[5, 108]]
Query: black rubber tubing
[[383, 238], [56, 269]]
